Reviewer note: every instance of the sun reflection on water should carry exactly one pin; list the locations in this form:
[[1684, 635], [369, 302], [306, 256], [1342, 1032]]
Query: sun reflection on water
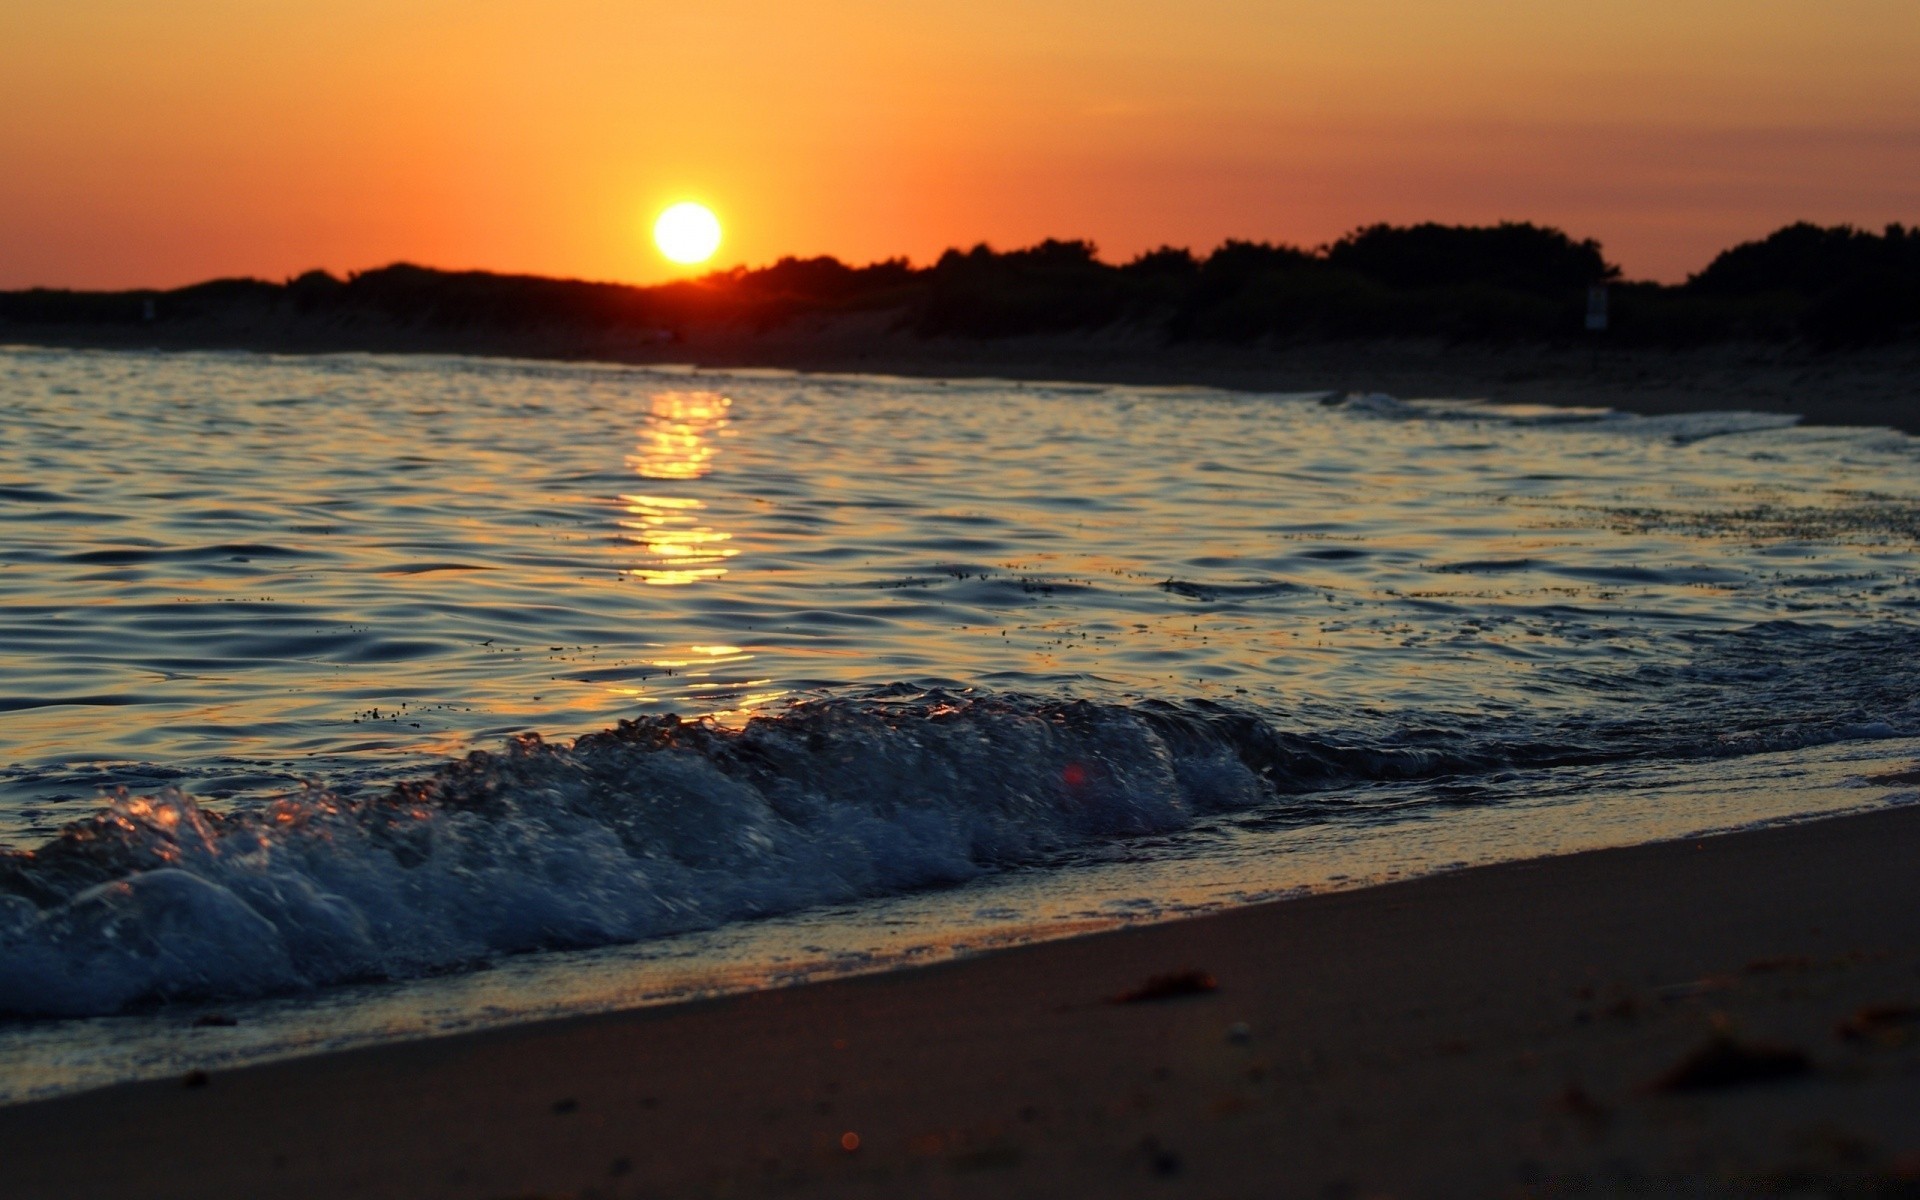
[[677, 440], [677, 443]]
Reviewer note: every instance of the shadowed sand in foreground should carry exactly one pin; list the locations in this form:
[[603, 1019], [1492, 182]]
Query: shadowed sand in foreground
[[1727, 1016]]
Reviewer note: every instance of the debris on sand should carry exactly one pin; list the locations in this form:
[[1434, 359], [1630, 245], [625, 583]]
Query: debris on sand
[[1883, 1023], [1726, 1062], [1169, 987], [1576, 1102]]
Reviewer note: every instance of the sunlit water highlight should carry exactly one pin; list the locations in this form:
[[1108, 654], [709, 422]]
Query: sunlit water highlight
[[1072, 655]]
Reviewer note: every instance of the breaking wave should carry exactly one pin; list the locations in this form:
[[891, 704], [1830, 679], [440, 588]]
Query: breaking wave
[[661, 826]]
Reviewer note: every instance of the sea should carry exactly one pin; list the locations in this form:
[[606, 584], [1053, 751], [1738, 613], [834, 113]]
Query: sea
[[349, 698]]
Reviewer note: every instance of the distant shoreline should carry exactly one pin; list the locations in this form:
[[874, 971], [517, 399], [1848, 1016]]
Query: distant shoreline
[[1819, 321], [1866, 387]]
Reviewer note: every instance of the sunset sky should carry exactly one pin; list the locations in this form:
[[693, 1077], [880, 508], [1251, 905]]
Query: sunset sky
[[157, 144]]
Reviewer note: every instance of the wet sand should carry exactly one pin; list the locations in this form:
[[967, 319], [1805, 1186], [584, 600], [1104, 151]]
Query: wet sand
[[1525, 1029]]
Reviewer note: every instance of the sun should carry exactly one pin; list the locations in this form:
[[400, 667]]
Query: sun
[[687, 233]]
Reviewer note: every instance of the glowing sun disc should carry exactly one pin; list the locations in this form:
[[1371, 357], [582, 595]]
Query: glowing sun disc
[[687, 233]]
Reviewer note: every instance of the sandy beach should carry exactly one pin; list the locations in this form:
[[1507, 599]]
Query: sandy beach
[[1735, 1015]]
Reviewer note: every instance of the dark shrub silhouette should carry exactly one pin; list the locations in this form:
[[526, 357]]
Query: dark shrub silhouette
[[1508, 257], [1828, 287], [1806, 259], [1835, 286], [1049, 288], [1248, 290]]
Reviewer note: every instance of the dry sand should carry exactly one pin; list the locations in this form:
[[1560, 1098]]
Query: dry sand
[[1502, 1031]]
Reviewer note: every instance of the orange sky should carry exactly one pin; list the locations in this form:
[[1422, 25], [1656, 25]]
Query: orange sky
[[157, 144]]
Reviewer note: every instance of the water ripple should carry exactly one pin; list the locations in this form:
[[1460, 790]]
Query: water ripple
[[348, 567]]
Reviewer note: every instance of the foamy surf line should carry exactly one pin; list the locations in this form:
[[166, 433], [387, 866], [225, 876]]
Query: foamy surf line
[[661, 826], [1229, 862]]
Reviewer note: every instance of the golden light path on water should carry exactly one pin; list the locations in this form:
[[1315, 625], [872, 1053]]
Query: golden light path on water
[[679, 442]]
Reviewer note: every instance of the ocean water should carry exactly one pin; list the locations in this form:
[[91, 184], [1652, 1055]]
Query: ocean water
[[361, 697]]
